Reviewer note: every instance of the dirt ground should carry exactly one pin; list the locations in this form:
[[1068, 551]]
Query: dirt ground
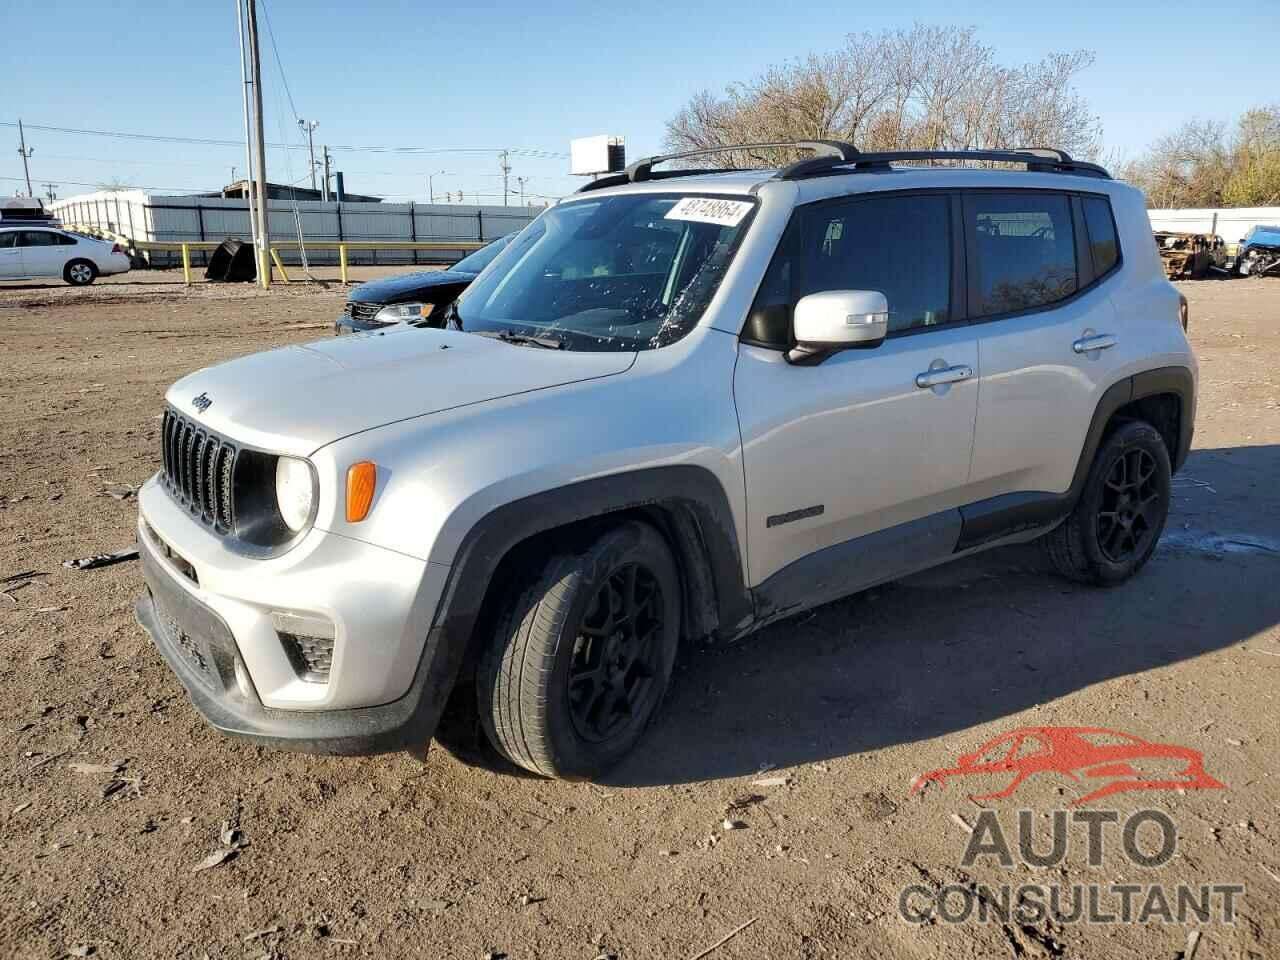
[[386, 857]]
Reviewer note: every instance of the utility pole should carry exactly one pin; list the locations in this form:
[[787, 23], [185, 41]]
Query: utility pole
[[522, 181], [245, 83], [25, 152], [233, 173], [255, 61], [49, 191], [324, 193], [506, 172], [431, 190], [310, 127]]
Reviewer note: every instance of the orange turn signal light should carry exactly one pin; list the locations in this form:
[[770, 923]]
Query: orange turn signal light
[[362, 478]]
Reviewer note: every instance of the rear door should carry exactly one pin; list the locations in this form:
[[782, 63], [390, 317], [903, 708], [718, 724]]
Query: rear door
[[860, 443], [10, 255], [1045, 327]]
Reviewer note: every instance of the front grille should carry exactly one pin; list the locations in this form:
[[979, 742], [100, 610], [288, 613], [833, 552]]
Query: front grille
[[311, 656], [362, 311], [199, 469]]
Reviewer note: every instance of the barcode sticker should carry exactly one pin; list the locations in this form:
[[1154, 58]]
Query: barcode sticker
[[725, 213]]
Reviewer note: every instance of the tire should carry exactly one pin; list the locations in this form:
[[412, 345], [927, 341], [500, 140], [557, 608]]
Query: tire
[[590, 632], [1122, 510], [80, 273]]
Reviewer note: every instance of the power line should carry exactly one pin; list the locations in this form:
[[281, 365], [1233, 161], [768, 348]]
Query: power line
[[99, 185], [214, 142]]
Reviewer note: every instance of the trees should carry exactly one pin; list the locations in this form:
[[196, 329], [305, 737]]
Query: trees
[[925, 87], [1202, 165]]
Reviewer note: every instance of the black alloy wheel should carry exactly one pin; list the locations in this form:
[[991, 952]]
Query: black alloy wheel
[[1130, 506], [617, 655]]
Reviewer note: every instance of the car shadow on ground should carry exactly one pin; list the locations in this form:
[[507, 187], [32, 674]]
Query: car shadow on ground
[[975, 641]]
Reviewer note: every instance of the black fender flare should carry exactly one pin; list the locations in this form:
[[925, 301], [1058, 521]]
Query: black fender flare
[[687, 501]]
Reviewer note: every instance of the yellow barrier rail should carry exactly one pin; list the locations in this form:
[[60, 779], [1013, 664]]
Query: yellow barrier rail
[[342, 246]]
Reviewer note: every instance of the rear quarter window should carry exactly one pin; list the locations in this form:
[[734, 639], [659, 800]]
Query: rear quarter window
[[1103, 243]]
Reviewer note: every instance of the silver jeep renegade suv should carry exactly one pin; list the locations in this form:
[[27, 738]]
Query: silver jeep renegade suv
[[679, 404]]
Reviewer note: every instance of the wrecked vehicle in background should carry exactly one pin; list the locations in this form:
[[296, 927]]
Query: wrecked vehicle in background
[[1190, 255], [1259, 253]]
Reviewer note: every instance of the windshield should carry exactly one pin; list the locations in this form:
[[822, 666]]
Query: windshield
[[475, 262], [614, 273]]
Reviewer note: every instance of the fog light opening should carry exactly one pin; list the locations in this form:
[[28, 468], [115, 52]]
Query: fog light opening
[[307, 641]]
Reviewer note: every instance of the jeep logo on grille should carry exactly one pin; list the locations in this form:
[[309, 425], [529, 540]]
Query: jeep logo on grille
[[202, 402]]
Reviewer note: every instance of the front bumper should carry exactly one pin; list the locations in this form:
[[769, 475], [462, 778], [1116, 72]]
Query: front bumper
[[210, 615]]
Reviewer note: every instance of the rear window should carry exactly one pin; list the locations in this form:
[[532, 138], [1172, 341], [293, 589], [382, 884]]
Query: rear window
[[1025, 251], [1102, 234]]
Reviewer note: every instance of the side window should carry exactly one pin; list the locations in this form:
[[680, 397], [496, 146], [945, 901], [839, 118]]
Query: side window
[[8, 239], [1025, 251], [65, 240], [37, 238], [1102, 234], [900, 246], [1030, 747]]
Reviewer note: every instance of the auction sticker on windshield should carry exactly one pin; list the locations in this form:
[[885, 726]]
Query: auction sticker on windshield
[[725, 213]]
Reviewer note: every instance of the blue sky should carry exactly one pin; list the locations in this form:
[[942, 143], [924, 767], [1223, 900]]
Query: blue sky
[[531, 76]]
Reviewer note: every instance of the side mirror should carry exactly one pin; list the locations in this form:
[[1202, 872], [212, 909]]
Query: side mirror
[[838, 320]]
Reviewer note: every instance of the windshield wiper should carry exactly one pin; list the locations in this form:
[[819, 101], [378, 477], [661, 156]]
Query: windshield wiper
[[523, 339]]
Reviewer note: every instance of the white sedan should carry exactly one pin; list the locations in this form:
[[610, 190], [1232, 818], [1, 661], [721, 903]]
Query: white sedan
[[32, 251]]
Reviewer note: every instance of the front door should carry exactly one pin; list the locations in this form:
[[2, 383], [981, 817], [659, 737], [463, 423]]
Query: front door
[[10, 255], [867, 442]]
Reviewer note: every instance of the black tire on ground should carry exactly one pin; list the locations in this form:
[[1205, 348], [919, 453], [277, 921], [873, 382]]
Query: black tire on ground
[[79, 273], [578, 663], [1117, 522]]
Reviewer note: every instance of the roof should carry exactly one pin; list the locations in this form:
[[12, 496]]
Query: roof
[[285, 191], [834, 160], [841, 181]]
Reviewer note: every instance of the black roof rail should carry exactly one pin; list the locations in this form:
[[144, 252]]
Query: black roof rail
[[827, 153], [1038, 159]]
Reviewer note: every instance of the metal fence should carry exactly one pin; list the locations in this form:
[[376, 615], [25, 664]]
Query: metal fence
[[1230, 223], [148, 217]]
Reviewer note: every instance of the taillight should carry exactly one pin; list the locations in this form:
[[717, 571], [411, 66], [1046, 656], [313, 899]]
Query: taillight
[[116, 248], [1183, 312]]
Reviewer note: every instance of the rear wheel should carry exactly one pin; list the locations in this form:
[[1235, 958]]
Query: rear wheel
[[79, 273], [1122, 510], [579, 663]]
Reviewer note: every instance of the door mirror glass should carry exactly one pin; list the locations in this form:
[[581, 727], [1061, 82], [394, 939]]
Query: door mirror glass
[[838, 320]]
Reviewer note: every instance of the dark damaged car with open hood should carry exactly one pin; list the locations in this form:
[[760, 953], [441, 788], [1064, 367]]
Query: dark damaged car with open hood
[[413, 297]]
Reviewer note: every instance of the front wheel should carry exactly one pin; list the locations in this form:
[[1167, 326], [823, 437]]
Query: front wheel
[[79, 273], [579, 663], [1117, 522]]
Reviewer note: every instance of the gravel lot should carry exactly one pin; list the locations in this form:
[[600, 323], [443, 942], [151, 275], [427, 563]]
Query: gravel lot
[[387, 857]]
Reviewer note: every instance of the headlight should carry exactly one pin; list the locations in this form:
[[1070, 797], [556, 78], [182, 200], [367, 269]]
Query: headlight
[[295, 492], [399, 312]]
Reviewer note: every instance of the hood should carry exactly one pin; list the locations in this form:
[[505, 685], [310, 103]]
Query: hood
[[407, 285], [297, 399]]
